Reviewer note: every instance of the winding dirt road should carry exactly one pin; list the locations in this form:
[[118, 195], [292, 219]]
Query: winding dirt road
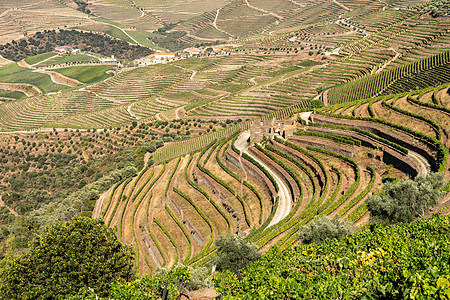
[[284, 203], [59, 78]]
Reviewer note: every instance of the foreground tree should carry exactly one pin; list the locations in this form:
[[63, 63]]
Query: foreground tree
[[406, 200], [67, 257], [324, 228], [234, 253]]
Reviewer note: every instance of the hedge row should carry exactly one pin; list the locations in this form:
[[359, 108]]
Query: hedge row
[[362, 194], [112, 194], [313, 157], [204, 217], [228, 188], [118, 200], [442, 152], [330, 136], [150, 231], [200, 190], [171, 176], [433, 124], [134, 196], [256, 233], [139, 203], [353, 187], [172, 241], [429, 105], [330, 199], [259, 166], [134, 213], [357, 213], [235, 176], [184, 232], [284, 166]]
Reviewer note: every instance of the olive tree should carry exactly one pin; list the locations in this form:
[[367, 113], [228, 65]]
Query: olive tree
[[82, 253], [234, 253], [406, 200], [324, 228]]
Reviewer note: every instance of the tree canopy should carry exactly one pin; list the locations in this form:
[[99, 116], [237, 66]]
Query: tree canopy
[[438, 8], [234, 253], [324, 228], [406, 200], [82, 253]]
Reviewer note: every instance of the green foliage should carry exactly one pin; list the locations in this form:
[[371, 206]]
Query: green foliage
[[438, 8], [86, 74], [406, 200], [315, 104], [66, 257], [46, 41], [323, 229], [404, 261], [331, 136], [199, 279], [147, 287], [234, 253]]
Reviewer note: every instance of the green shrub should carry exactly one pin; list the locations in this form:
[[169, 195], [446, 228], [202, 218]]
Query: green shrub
[[406, 200], [66, 257], [322, 229], [404, 261], [234, 253]]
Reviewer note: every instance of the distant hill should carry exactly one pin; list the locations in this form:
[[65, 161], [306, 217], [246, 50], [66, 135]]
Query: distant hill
[[47, 40]]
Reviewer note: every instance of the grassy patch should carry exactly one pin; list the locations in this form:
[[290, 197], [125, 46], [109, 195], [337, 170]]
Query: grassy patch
[[117, 33], [13, 73], [40, 57], [283, 71], [69, 59], [309, 63], [86, 74], [141, 36], [11, 94], [193, 105]]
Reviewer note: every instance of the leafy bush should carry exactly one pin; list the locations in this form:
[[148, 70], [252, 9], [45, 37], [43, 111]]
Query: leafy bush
[[324, 228], [199, 279], [66, 257], [404, 261], [404, 201], [438, 8], [234, 253]]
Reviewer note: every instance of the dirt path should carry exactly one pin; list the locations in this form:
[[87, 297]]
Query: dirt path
[[342, 5], [344, 21], [296, 3], [284, 203], [99, 204], [130, 112], [59, 78], [388, 62], [180, 112], [325, 98], [263, 10], [4, 61], [47, 59], [126, 33], [26, 88], [423, 163], [22, 63], [215, 23]]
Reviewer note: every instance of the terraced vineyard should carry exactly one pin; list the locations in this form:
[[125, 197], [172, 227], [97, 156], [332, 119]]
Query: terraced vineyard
[[374, 76], [216, 184]]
